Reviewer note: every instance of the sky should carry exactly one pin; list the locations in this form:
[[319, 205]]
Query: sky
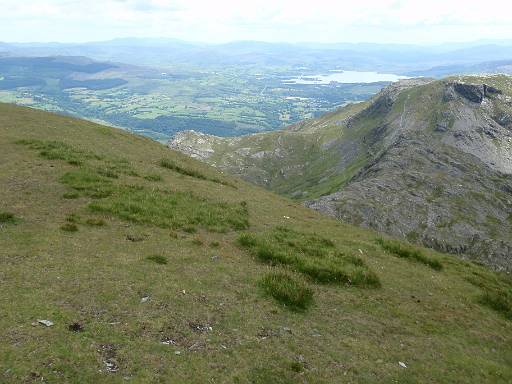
[[327, 21]]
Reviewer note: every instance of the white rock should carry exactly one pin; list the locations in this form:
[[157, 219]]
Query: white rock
[[402, 364], [48, 323]]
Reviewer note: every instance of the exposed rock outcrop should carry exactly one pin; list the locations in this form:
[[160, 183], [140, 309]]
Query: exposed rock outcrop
[[201, 148]]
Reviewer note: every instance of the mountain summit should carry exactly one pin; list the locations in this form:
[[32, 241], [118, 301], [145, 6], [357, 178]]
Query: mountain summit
[[429, 161]]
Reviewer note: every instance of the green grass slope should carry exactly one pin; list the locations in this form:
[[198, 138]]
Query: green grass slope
[[153, 267]]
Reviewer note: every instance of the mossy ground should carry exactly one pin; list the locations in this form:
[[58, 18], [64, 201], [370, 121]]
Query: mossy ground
[[205, 302]]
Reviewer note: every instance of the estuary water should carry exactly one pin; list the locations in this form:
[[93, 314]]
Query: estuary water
[[345, 77]]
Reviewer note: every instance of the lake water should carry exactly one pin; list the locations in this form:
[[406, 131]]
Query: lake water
[[345, 77]]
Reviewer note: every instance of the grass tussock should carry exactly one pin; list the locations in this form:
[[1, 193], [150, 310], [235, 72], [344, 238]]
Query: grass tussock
[[189, 229], [95, 222], [73, 218], [153, 177], [7, 217], [172, 209], [57, 150], [69, 227], [310, 254], [172, 165], [297, 366], [197, 242], [158, 259], [107, 172], [98, 178], [71, 195], [496, 291], [287, 290], [89, 182], [157, 207], [120, 166], [409, 252], [498, 300], [136, 237]]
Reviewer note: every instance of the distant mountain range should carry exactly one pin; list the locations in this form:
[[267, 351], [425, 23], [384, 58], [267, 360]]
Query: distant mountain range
[[396, 58], [158, 87]]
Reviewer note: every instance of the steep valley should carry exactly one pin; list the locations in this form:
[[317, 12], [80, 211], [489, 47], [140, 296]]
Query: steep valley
[[426, 160]]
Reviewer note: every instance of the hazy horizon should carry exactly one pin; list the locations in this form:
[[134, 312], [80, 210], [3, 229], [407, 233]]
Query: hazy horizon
[[282, 21], [474, 42]]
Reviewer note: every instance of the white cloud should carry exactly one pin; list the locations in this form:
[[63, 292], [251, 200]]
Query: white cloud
[[273, 20]]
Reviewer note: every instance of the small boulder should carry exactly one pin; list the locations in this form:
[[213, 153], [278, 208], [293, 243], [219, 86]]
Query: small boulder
[[47, 323], [441, 126]]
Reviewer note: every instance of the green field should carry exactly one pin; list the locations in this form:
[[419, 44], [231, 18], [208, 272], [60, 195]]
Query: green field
[[225, 101]]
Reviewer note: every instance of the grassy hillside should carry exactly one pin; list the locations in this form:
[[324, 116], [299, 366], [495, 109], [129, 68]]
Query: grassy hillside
[[153, 267]]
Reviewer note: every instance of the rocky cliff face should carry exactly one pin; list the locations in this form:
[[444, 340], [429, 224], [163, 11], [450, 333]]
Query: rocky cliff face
[[430, 161]]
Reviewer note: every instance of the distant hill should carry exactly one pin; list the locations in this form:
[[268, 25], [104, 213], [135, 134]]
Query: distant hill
[[20, 72], [490, 67], [397, 58], [124, 261], [425, 160]]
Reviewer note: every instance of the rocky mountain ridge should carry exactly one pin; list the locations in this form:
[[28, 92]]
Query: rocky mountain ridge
[[430, 161]]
